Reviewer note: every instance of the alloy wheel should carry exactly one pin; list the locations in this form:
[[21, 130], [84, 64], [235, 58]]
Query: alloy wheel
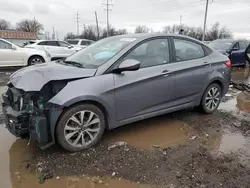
[[212, 99], [36, 60], [82, 128]]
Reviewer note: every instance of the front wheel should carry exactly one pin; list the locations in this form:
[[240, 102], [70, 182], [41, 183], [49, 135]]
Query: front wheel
[[80, 127], [211, 99]]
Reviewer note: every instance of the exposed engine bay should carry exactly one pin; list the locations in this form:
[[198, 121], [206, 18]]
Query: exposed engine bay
[[28, 113]]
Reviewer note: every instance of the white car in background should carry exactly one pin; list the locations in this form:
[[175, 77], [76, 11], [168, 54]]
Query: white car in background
[[80, 43], [12, 55], [57, 49]]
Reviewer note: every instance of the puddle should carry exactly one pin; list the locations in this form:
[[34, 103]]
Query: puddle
[[161, 131], [240, 74], [76, 182], [237, 143], [6, 141], [13, 173]]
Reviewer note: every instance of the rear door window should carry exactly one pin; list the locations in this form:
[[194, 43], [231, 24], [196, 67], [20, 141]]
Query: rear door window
[[73, 42], [186, 50], [52, 43]]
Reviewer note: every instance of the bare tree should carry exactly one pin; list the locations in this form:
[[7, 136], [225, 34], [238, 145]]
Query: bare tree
[[4, 24], [213, 33], [142, 29], [29, 26], [89, 32], [70, 36]]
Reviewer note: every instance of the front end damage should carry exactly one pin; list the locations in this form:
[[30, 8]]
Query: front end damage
[[29, 115]]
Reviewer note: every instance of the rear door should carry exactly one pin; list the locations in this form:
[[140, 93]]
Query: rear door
[[149, 89], [238, 56], [192, 68]]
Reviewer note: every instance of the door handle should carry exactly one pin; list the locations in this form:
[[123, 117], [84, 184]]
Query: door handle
[[166, 72], [207, 64]]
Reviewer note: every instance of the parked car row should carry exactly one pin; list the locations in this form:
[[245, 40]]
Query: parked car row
[[57, 49]]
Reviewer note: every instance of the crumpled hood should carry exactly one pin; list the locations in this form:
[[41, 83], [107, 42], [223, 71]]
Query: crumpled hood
[[33, 78]]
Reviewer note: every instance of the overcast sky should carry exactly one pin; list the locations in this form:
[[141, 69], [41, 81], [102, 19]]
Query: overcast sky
[[234, 14]]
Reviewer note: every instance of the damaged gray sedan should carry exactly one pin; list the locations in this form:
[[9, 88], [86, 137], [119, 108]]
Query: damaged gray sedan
[[116, 81]]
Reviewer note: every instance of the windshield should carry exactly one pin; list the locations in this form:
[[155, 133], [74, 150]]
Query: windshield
[[220, 45], [100, 52], [74, 42]]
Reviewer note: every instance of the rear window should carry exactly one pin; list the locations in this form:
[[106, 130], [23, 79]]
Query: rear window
[[85, 42], [220, 45], [74, 42]]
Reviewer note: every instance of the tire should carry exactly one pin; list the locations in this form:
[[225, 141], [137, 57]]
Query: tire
[[35, 60], [207, 107], [70, 122]]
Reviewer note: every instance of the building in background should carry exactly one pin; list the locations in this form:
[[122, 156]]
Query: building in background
[[17, 37]]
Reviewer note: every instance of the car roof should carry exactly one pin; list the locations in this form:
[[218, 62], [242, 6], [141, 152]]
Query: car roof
[[142, 36], [79, 39]]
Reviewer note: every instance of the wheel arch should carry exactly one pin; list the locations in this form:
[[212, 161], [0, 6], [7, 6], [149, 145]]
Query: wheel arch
[[34, 55], [218, 81]]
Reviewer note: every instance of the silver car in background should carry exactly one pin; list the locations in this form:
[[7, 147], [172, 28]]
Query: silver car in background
[[115, 81]]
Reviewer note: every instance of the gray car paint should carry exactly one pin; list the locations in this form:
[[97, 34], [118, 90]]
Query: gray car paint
[[135, 95]]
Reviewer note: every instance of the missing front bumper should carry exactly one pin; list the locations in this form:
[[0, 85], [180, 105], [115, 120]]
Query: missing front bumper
[[24, 124]]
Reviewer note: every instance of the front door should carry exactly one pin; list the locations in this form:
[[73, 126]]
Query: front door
[[149, 89], [238, 56]]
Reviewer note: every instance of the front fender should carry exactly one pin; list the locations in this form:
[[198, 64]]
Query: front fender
[[99, 89]]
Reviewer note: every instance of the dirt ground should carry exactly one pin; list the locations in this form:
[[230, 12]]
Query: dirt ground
[[185, 149]]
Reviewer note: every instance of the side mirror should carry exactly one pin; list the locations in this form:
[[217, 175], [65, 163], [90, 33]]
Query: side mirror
[[69, 47], [13, 47], [128, 65]]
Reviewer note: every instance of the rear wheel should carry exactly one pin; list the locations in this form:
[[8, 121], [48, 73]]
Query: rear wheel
[[35, 60], [80, 127], [211, 98]]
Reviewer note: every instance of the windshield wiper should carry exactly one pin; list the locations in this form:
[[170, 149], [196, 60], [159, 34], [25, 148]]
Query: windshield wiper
[[76, 64]]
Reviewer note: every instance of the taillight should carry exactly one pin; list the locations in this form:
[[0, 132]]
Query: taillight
[[228, 64]]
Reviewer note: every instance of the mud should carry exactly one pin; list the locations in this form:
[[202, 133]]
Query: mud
[[195, 150]]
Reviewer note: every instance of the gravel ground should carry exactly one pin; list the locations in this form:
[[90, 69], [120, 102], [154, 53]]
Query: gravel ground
[[189, 165]]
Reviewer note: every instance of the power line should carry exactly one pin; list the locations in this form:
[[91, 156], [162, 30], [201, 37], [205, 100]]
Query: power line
[[107, 9], [77, 22]]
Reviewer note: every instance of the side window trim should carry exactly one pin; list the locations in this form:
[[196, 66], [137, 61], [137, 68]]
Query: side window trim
[[185, 39]]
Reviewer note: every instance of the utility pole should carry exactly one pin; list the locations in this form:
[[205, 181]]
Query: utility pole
[[77, 23], [97, 26], [53, 35], [205, 21], [107, 9], [181, 20]]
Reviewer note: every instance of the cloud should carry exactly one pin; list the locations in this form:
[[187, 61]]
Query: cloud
[[41, 9], [14, 7]]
